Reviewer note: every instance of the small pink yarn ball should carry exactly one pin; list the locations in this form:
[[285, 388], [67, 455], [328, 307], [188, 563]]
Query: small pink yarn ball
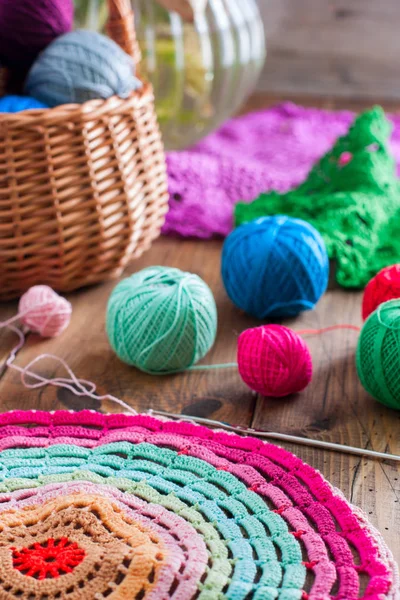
[[44, 311], [274, 361]]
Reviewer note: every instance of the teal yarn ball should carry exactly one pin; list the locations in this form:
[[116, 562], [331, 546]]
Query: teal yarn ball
[[161, 320], [81, 66], [275, 267], [378, 354]]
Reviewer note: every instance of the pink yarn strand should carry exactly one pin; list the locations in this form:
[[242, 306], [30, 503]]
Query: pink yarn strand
[[17, 317], [328, 329], [79, 387]]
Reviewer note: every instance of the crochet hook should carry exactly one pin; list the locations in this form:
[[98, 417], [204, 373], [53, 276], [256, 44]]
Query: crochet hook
[[282, 437]]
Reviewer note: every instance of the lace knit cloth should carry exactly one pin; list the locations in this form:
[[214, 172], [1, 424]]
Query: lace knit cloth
[[131, 507], [259, 152], [352, 197]]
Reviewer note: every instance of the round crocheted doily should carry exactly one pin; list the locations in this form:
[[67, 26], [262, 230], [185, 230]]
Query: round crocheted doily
[[132, 507]]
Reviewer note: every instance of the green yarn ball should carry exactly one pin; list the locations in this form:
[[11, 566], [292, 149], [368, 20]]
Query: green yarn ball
[[161, 320], [378, 354]]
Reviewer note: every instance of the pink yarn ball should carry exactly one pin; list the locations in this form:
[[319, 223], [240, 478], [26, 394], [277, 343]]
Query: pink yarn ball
[[44, 311], [274, 361]]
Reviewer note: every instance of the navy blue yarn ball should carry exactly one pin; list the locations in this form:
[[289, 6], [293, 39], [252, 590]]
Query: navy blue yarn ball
[[275, 267], [15, 104]]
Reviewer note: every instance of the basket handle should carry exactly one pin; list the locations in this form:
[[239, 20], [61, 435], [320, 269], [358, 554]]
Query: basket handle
[[185, 8], [121, 27]]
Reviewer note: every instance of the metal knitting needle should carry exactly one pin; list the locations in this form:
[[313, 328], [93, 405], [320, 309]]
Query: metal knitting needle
[[281, 436]]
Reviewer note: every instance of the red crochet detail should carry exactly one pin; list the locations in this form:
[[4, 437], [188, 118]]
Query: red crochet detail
[[254, 487], [279, 511], [297, 534], [48, 560]]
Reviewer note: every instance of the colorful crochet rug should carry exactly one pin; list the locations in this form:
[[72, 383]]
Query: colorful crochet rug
[[262, 151], [132, 507]]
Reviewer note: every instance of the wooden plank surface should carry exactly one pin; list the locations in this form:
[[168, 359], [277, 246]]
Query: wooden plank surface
[[333, 408], [347, 47]]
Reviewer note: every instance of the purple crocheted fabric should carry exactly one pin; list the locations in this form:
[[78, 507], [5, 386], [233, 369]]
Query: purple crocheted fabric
[[262, 151]]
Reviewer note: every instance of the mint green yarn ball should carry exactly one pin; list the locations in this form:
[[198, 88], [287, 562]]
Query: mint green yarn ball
[[161, 320]]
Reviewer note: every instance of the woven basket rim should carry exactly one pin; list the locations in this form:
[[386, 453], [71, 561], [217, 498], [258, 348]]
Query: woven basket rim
[[88, 110]]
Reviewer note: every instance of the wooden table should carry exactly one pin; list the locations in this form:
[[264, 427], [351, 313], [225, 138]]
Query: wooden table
[[334, 407]]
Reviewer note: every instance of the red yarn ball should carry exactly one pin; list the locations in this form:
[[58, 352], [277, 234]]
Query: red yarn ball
[[274, 361], [383, 287]]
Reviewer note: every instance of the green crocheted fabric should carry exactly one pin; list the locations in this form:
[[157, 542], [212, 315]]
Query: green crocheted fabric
[[352, 196]]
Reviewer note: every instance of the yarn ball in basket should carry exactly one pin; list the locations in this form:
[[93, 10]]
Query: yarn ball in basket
[[44, 311], [274, 361], [161, 320], [15, 104], [383, 287], [275, 267], [378, 354], [81, 66], [29, 26]]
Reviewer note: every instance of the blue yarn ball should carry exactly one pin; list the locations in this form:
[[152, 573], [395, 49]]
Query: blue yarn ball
[[275, 267], [81, 66], [15, 104]]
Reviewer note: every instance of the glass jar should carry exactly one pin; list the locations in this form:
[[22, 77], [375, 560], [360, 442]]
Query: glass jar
[[202, 70]]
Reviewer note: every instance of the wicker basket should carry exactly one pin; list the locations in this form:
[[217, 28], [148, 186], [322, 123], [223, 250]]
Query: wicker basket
[[82, 187]]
